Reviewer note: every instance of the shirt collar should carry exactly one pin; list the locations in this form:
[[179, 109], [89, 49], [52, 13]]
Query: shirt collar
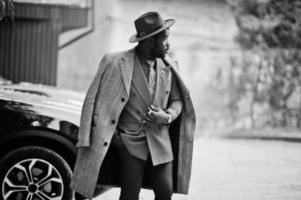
[[150, 63]]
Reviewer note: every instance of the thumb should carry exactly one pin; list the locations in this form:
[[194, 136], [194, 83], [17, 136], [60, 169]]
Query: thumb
[[154, 108]]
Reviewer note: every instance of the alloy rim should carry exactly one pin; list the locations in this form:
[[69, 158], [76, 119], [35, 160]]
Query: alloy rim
[[33, 179]]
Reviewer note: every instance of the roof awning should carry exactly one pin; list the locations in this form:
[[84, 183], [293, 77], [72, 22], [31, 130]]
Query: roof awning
[[76, 3], [70, 14]]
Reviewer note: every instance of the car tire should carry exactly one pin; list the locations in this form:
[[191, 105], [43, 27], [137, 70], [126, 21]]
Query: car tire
[[34, 173]]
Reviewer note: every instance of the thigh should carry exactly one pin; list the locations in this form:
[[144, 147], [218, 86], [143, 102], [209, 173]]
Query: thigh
[[162, 180], [131, 171]]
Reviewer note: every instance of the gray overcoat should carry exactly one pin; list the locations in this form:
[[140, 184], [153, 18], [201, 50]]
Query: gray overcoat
[[105, 99]]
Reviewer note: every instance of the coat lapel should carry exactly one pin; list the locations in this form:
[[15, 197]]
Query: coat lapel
[[126, 66], [140, 82]]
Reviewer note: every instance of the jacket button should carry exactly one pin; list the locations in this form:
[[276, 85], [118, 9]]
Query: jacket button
[[105, 144], [113, 121], [122, 99]]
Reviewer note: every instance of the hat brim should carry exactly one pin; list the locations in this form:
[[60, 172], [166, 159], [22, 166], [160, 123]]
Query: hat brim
[[167, 23]]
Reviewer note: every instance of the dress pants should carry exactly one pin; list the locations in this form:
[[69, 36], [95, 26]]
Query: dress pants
[[132, 170]]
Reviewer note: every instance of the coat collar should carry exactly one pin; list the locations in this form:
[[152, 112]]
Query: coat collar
[[126, 66], [175, 68]]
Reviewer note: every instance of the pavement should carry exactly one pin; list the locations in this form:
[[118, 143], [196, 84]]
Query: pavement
[[239, 169], [245, 169], [280, 134]]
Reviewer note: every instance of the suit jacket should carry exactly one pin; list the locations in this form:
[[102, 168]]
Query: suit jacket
[[104, 102], [141, 139]]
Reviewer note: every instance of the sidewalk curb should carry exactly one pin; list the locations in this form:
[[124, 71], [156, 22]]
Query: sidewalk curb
[[288, 135], [258, 137]]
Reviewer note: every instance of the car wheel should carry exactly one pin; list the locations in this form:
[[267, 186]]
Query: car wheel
[[34, 173]]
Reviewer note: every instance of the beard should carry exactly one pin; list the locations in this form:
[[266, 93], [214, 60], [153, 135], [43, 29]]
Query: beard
[[159, 53]]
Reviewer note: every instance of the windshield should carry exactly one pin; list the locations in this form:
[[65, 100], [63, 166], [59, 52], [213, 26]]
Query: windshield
[[42, 90]]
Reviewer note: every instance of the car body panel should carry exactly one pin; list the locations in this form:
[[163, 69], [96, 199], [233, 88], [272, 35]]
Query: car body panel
[[36, 106]]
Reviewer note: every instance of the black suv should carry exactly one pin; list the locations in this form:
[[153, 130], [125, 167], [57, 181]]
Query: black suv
[[38, 132]]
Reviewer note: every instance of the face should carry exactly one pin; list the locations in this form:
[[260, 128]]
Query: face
[[161, 44]]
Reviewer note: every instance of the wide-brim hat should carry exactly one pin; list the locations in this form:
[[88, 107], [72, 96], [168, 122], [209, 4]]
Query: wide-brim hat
[[150, 24]]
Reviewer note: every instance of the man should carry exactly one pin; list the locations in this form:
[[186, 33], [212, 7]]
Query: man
[[136, 97]]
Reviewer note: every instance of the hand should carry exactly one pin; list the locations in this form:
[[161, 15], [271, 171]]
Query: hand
[[156, 115]]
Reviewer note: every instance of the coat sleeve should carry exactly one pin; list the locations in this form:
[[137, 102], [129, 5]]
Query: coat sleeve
[[175, 102], [88, 106]]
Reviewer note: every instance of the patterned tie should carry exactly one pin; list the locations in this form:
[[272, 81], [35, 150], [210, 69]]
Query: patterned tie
[[152, 79]]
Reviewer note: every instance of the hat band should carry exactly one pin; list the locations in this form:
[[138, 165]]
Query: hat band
[[141, 34]]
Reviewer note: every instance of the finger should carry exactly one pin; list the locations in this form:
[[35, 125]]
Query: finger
[[154, 114], [154, 108], [146, 121], [149, 113], [148, 118]]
